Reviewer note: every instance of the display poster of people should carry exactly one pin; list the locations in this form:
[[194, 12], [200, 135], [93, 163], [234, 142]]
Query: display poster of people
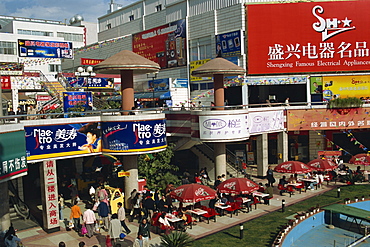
[[48, 49], [134, 137], [12, 153], [51, 141], [73, 100], [90, 82]]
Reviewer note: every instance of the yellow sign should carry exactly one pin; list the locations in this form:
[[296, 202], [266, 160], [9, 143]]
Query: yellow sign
[[346, 86], [197, 64], [123, 174]]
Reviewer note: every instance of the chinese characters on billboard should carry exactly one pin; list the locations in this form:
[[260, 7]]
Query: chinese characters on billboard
[[13, 154], [50, 141], [90, 61], [141, 136], [165, 45], [309, 37], [90, 82], [346, 86], [71, 100], [48, 49], [50, 196]]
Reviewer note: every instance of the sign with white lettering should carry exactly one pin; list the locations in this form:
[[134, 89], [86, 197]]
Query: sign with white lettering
[[48, 49], [346, 86], [223, 127], [49, 141], [266, 121], [309, 37], [134, 137]]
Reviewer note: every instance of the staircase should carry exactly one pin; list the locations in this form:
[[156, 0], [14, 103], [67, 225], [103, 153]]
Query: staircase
[[231, 166]]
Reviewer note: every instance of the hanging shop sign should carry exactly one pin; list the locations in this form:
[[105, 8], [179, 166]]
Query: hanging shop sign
[[5, 82], [265, 122], [223, 127], [13, 152], [47, 49], [165, 45], [73, 100], [60, 140], [50, 195], [134, 136], [123, 174], [346, 86], [90, 61], [91, 82], [276, 80], [309, 37], [228, 44], [325, 119]]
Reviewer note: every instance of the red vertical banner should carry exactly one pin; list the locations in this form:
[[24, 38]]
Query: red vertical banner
[[50, 195], [5, 82]]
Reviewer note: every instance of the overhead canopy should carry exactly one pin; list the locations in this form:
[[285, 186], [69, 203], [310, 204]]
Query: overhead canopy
[[349, 211]]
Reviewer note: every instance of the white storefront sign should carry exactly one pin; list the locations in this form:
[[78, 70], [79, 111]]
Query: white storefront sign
[[267, 121]]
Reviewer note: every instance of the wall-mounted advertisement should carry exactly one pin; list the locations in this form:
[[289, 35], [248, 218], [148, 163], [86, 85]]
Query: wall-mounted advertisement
[[323, 119], [228, 44], [196, 64], [12, 154], [5, 82], [165, 45], [52, 141], [159, 85], [265, 122], [25, 82], [91, 82], [134, 136], [223, 127], [90, 61], [316, 84], [309, 37], [346, 86], [11, 68], [47, 49], [179, 83], [72, 100], [276, 80]]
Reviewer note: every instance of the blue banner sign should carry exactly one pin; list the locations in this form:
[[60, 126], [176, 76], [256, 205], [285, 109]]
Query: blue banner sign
[[74, 100], [48, 49], [134, 137], [159, 85], [50, 141], [228, 44], [180, 83], [90, 82]]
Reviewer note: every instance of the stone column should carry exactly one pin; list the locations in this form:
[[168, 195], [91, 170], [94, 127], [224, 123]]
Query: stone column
[[220, 158], [219, 90], [127, 90], [4, 209], [282, 146], [262, 154], [130, 165]]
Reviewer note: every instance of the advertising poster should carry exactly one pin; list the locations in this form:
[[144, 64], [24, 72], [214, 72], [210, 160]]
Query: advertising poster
[[268, 121], [309, 37], [5, 82], [323, 119], [228, 44], [12, 154], [134, 137], [196, 64], [329, 154], [47, 49], [51, 141], [90, 82], [223, 127], [90, 61], [165, 45], [25, 82], [346, 86], [11, 68], [72, 100], [316, 84], [159, 85]]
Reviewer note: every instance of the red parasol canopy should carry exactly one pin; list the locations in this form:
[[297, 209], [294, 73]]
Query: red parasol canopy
[[237, 186], [295, 167], [192, 193], [360, 159], [322, 165]]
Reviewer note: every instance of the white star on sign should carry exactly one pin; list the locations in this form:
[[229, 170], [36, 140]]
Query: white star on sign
[[346, 22]]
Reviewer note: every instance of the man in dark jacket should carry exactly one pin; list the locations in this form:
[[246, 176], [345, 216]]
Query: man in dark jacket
[[148, 207], [103, 212]]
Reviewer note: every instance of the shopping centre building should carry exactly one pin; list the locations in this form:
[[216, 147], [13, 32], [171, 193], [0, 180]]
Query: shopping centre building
[[276, 111]]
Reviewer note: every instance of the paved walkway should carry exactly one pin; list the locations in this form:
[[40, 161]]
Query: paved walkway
[[37, 237]]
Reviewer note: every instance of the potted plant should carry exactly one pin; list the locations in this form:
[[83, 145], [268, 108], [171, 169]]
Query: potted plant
[[176, 239], [351, 179]]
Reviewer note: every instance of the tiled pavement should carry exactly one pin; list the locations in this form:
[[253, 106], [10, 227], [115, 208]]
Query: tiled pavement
[[36, 237]]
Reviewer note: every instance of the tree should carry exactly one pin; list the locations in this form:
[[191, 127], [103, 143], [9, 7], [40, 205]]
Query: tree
[[157, 168]]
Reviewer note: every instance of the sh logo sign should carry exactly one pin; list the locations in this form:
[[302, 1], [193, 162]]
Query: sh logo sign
[[329, 27]]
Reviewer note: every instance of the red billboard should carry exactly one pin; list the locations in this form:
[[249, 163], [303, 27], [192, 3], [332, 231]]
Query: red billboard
[[165, 45], [90, 61], [308, 37]]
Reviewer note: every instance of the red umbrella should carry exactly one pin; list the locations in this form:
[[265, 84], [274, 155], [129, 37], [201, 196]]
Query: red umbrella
[[237, 186], [192, 193], [295, 167], [322, 165], [360, 159]]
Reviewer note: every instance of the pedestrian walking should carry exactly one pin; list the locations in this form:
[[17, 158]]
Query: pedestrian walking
[[114, 229], [122, 217], [103, 212], [75, 215], [89, 220], [61, 206], [144, 231], [270, 176]]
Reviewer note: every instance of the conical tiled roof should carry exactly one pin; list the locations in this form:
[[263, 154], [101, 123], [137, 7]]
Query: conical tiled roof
[[218, 65], [126, 60]]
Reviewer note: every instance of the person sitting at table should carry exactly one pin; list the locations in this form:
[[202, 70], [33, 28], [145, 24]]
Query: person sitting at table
[[163, 205], [312, 184], [165, 225], [212, 202], [181, 225], [223, 200], [283, 181], [249, 203], [269, 191], [292, 179], [358, 171], [261, 188]]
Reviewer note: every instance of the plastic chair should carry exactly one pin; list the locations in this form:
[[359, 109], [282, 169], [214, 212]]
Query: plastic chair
[[255, 202], [211, 212], [300, 187], [189, 221], [282, 189], [232, 209]]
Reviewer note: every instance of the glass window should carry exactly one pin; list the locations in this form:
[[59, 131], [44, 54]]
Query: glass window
[[131, 17], [203, 86], [8, 48], [35, 33], [210, 85], [71, 36], [55, 68], [200, 48], [194, 86], [158, 7]]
